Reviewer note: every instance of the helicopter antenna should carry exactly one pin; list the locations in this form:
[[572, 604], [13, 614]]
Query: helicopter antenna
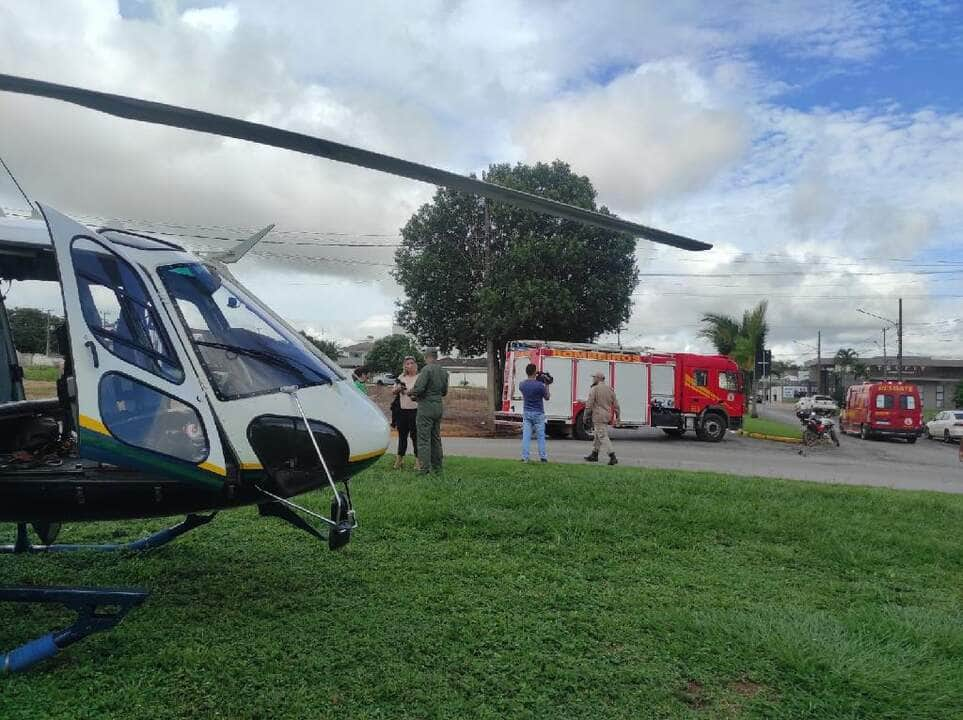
[[242, 249], [33, 209], [199, 121]]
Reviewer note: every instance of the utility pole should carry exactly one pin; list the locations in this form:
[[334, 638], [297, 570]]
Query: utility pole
[[899, 344], [885, 360], [819, 361]]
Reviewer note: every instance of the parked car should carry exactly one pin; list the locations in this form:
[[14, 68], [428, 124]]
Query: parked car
[[384, 379], [946, 426], [820, 404]]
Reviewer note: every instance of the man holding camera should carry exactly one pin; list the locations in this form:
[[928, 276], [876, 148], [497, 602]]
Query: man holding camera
[[535, 391], [603, 407]]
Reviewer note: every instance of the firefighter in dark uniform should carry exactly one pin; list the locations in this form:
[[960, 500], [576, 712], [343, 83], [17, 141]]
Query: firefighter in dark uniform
[[430, 387]]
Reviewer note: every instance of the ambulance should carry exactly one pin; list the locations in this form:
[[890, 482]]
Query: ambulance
[[883, 409], [676, 392]]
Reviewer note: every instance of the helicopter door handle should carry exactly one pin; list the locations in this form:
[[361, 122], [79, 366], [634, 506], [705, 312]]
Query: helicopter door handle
[[93, 351]]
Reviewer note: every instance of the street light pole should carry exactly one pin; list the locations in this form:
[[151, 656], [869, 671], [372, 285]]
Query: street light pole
[[899, 344]]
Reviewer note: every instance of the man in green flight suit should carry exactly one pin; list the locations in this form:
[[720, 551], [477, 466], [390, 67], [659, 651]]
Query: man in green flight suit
[[430, 387]]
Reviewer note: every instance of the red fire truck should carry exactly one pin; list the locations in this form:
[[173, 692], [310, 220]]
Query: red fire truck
[[672, 391], [886, 409]]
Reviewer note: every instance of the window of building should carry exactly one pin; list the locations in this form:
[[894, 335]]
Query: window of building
[[139, 415], [939, 396], [119, 312]]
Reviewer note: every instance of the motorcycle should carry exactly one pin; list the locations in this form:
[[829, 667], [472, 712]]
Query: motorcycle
[[817, 429]]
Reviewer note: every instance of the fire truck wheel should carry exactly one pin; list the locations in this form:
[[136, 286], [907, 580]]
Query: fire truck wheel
[[582, 430], [863, 432], [712, 428], [557, 431]]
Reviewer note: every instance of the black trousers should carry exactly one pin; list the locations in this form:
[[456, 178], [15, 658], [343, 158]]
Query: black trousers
[[406, 427]]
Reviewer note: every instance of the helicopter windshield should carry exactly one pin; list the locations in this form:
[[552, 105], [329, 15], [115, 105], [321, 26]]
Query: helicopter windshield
[[244, 350]]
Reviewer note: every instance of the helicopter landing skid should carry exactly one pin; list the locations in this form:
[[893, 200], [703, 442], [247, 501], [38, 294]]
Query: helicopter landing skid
[[155, 540], [97, 609]]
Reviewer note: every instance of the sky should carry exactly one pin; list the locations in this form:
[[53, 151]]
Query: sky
[[816, 144]]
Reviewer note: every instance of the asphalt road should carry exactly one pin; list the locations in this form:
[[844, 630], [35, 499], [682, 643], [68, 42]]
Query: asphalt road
[[926, 465]]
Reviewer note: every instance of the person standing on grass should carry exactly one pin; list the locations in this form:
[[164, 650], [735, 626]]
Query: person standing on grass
[[603, 407], [430, 387], [407, 413], [535, 394]]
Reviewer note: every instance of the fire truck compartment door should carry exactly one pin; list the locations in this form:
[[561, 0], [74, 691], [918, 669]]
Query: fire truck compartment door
[[584, 370], [663, 384], [560, 406], [632, 390]]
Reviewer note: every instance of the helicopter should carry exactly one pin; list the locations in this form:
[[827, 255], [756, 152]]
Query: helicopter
[[182, 393]]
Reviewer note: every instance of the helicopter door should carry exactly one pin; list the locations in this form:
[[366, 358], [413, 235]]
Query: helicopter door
[[139, 402]]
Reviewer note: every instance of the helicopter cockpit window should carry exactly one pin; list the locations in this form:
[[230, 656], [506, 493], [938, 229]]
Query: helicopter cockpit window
[[119, 312], [244, 350]]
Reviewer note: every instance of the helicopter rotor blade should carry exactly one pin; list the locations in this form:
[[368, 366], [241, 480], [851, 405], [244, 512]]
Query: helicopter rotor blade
[[200, 121]]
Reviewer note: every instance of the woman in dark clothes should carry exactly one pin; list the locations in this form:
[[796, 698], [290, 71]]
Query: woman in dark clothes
[[407, 413]]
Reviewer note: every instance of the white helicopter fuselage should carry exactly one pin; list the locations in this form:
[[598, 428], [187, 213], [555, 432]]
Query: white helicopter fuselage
[[176, 369]]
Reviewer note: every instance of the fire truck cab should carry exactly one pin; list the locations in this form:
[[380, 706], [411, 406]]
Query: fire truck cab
[[676, 392]]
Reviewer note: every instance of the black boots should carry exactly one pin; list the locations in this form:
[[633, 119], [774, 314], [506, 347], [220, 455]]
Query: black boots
[[594, 457]]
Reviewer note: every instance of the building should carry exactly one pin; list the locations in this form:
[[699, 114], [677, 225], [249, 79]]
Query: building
[[936, 378], [354, 356], [466, 372]]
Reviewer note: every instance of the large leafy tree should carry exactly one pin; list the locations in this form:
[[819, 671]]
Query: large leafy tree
[[741, 340], [478, 275], [29, 328], [328, 347], [388, 354]]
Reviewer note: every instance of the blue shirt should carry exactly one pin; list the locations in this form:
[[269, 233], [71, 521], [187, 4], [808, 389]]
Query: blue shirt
[[534, 393]]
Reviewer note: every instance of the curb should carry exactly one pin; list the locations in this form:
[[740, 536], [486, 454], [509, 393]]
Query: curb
[[774, 438]]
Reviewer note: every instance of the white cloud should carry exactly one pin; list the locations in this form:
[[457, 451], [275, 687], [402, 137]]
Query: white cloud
[[664, 106], [650, 134]]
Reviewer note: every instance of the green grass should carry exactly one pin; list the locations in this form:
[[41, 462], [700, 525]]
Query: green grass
[[41, 372], [517, 591], [771, 427]]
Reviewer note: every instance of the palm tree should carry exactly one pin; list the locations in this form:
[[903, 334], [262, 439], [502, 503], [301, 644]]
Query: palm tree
[[846, 359], [740, 341]]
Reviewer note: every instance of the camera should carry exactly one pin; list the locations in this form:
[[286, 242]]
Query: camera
[[544, 377]]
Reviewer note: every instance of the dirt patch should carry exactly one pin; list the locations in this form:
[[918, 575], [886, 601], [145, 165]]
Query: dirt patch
[[39, 389], [693, 695], [466, 411], [746, 688]]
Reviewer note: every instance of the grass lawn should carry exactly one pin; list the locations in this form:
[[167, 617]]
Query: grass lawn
[[771, 427], [526, 591], [40, 372]]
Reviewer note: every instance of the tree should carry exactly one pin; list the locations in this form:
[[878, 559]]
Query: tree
[[782, 368], [388, 354], [478, 274], [741, 341], [958, 400], [846, 359], [30, 330], [328, 347]]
